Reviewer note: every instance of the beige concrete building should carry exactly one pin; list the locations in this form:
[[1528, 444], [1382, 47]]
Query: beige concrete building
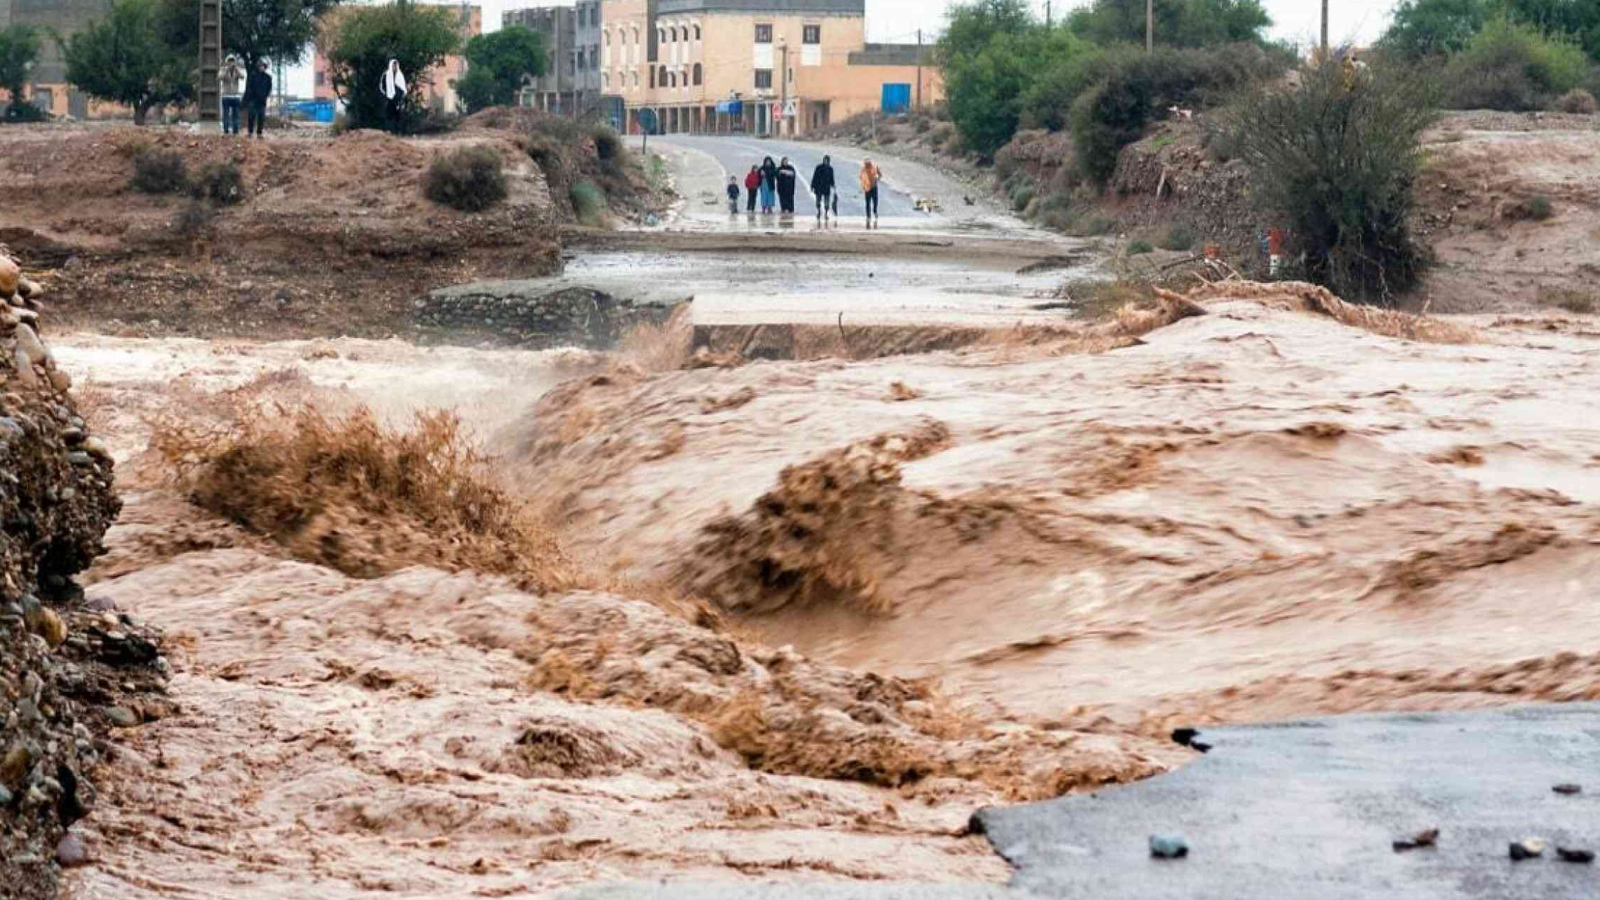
[[751, 66]]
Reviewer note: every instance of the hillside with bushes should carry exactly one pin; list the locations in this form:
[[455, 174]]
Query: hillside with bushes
[[1219, 136]]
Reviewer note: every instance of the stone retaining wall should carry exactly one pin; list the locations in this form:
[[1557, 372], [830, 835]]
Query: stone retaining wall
[[535, 314]]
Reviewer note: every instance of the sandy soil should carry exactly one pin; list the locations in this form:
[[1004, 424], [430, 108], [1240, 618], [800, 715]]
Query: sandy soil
[[1484, 169]]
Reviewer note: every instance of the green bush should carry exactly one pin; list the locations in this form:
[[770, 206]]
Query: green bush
[[986, 89], [1021, 196], [1180, 238], [589, 203], [219, 183], [1579, 102], [608, 145], [1091, 226], [1140, 248], [22, 113], [470, 179], [1352, 229], [1139, 87], [1048, 102], [1539, 208], [159, 172], [1513, 67]]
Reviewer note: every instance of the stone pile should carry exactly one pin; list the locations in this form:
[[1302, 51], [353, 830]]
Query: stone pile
[[60, 659]]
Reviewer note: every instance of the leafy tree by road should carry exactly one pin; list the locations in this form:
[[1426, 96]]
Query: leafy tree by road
[[19, 49], [1424, 28], [279, 30], [1179, 23], [125, 58], [361, 41], [498, 62]]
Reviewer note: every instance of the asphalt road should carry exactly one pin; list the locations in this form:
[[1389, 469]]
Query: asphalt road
[[736, 155], [1304, 810]]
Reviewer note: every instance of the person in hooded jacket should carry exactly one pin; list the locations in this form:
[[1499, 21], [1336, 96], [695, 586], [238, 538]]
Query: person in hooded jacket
[[257, 91], [769, 185], [393, 88], [787, 178], [871, 178], [230, 83], [822, 185], [752, 186]]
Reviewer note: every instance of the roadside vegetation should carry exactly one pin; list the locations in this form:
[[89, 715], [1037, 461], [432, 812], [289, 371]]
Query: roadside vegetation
[[19, 49], [498, 62], [1050, 111], [362, 40]]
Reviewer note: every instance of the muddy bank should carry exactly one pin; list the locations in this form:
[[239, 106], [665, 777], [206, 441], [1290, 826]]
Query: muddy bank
[[1253, 512], [69, 671]]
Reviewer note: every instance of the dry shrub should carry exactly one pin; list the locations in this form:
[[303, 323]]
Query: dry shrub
[[349, 493], [1578, 102], [1302, 297], [470, 179], [1573, 301], [825, 534]]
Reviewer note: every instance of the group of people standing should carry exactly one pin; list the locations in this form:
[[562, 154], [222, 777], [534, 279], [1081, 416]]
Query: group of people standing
[[251, 92], [773, 185]]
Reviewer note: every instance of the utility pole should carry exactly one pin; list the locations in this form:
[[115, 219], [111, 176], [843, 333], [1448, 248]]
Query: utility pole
[[783, 107], [1047, 12], [919, 69], [210, 92], [1324, 29], [1150, 26]]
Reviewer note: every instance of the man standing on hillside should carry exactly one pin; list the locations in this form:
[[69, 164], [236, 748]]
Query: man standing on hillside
[[822, 186], [230, 81], [257, 90]]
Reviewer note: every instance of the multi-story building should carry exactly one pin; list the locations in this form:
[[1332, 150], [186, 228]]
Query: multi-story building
[[48, 88], [761, 66], [571, 83], [439, 85]]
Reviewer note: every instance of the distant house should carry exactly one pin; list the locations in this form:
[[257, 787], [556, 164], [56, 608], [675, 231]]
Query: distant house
[[571, 83]]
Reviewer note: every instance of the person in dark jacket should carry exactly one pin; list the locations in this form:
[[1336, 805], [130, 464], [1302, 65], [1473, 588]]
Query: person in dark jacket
[[787, 178], [822, 185], [752, 186], [769, 185], [257, 90]]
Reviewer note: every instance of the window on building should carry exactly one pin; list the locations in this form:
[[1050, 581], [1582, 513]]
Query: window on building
[[594, 57], [697, 75], [652, 77], [608, 39], [661, 35], [605, 79], [813, 34], [636, 79], [322, 78], [764, 34], [763, 79], [672, 79], [697, 32], [572, 64], [581, 15], [672, 35]]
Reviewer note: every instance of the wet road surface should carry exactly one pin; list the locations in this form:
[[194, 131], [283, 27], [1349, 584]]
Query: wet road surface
[[735, 155]]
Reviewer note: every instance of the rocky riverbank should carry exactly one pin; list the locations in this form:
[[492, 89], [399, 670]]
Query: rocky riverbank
[[70, 669]]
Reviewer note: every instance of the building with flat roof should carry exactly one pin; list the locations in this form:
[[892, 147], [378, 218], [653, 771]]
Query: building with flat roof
[[48, 88], [571, 83], [753, 66]]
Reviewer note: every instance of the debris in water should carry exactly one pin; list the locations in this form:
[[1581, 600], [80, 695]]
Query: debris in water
[[1528, 848], [1568, 789], [1572, 855], [1185, 737], [1168, 846], [71, 852], [1426, 838]]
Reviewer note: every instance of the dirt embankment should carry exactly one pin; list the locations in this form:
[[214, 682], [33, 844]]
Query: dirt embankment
[[68, 672], [1272, 499], [331, 235], [1508, 202]]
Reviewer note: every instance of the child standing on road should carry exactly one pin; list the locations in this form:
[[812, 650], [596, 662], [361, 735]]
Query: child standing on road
[[733, 196]]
